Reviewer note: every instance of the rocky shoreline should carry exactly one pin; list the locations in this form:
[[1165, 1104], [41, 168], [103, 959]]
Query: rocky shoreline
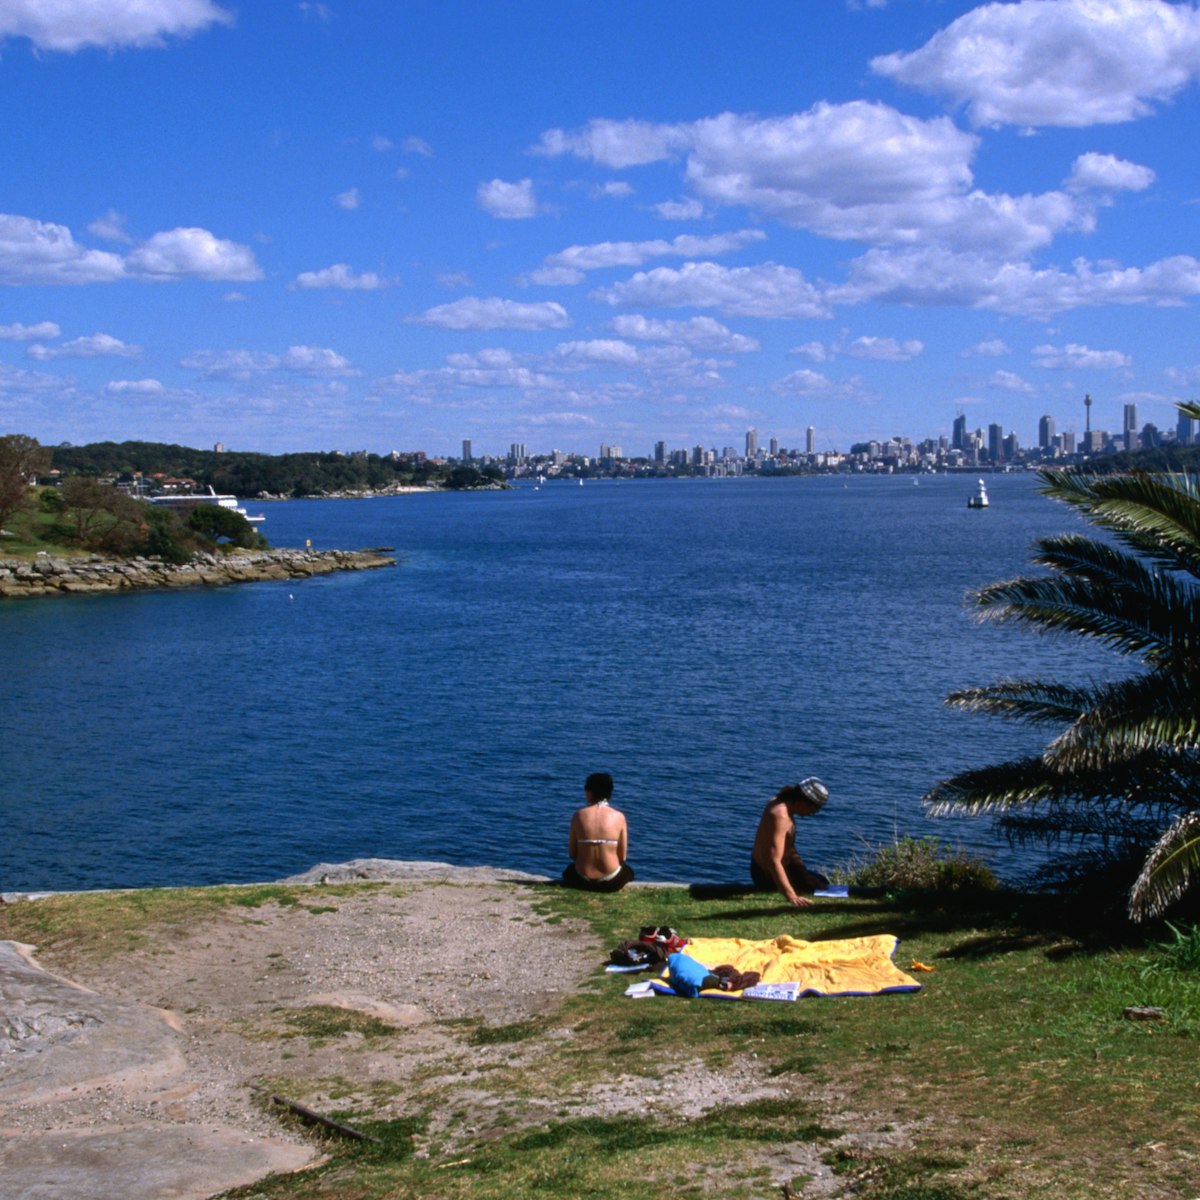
[[47, 575]]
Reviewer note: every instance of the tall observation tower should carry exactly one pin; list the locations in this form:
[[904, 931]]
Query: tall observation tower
[[1087, 408]]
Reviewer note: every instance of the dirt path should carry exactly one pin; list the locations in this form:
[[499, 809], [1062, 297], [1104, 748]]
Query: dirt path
[[235, 989]]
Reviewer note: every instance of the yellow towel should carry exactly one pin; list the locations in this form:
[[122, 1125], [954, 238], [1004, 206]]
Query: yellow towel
[[851, 966]]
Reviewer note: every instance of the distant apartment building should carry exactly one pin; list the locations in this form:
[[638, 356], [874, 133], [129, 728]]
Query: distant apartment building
[[810, 441], [517, 454], [996, 443], [467, 456], [751, 443]]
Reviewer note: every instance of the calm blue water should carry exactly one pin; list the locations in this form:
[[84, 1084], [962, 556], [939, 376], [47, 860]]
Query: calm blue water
[[704, 641]]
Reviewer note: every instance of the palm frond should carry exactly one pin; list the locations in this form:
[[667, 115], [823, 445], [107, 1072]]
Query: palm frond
[[1156, 514], [1189, 408], [992, 789], [1026, 700], [1073, 825], [1170, 869], [1157, 711], [1051, 604]]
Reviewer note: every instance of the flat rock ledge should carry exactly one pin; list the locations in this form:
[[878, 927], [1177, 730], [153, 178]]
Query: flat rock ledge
[[50, 576]]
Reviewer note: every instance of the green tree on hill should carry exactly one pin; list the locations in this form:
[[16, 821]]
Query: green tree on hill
[[1124, 768], [213, 522], [22, 459]]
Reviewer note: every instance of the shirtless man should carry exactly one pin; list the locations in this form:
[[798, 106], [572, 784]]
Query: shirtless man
[[774, 863]]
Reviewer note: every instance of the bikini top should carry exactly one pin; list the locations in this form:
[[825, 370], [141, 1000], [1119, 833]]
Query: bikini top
[[597, 841]]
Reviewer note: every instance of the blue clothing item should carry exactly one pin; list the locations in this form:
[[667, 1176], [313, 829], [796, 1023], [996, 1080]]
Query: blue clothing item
[[685, 975]]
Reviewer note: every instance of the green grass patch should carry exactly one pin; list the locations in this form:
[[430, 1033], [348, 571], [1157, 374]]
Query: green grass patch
[[1013, 1073], [107, 923], [321, 1022]]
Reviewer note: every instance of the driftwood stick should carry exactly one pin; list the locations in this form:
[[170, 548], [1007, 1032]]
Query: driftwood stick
[[308, 1114]]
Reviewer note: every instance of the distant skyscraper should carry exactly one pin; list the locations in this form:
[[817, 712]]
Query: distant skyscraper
[[958, 440], [1185, 430], [774, 443], [751, 442], [1046, 433], [660, 452], [467, 455], [810, 441], [995, 442], [1129, 427], [517, 453]]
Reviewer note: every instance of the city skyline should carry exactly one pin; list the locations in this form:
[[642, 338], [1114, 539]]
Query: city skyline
[[314, 225]]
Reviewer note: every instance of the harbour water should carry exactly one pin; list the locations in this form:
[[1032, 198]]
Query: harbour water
[[705, 641]]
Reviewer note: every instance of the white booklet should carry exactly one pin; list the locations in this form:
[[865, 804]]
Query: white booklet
[[772, 991]]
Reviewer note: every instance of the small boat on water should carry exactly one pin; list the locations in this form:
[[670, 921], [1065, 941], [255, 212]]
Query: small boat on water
[[980, 499], [185, 504]]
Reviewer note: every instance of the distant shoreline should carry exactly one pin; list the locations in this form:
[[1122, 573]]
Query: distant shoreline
[[51, 575]]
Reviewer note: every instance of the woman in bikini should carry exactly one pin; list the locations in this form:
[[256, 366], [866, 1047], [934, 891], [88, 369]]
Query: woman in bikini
[[598, 841]]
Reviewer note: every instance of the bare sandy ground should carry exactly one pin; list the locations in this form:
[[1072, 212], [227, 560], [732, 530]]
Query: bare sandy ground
[[135, 1075]]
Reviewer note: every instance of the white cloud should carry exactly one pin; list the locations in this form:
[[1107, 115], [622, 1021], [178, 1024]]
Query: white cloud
[[614, 189], [246, 364], [1076, 357], [992, 348], [1009, 381], [28, 333], [111, 24], [769, 290], [568, 265], [812, 383], [1056, 62], [856, 171], [1183, 376], [1106, 172], [879, 349], [680, 210], [315, 360], [697, 332], [616, 144], [607, 351], [416, 145], [492, 312], [508, 201], [565, 420], [110, 227], [192, 254], [929, 278], [35, 252], [339, 276], [99, 345], [882, 349], [382, 143], [134, 387], [349, 199]]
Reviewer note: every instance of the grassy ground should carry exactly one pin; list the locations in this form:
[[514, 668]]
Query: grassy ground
[[27, 533], [1012, 1074]]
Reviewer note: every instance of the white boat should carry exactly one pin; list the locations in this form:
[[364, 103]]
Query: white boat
[[980, 499], [185, 504]]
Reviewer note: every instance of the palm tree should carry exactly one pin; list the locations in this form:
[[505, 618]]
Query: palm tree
[[1124, 767]]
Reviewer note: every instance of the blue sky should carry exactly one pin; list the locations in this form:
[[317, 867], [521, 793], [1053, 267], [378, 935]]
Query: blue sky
[[391, 226]]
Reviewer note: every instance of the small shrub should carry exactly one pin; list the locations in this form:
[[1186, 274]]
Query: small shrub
[[1182, 952], [919, 863]]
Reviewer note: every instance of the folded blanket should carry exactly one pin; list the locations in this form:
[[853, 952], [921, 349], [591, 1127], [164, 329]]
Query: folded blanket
[[859, 966]]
